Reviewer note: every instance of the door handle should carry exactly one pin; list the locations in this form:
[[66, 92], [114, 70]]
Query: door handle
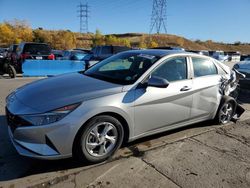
[[186, 88]]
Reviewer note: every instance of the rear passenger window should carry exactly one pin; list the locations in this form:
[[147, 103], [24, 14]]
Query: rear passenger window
[[203, 67], [173, 69]]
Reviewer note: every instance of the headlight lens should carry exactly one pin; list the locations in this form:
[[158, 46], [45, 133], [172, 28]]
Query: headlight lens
[[50, 117]]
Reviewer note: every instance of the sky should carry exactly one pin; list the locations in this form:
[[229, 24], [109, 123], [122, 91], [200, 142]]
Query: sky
[[218, 20]]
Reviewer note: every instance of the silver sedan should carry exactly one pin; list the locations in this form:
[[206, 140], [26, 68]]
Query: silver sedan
[[130, 95]]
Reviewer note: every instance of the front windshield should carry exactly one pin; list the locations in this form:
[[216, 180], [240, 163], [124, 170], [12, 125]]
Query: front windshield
[[124, 68]]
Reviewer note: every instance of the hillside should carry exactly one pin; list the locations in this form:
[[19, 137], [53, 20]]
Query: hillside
[[18, 31], [177, 41]]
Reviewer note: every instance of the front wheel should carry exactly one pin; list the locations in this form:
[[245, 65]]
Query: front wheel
[[99, 139], [225, 111]]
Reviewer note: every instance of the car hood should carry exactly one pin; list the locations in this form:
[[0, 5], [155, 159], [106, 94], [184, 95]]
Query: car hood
[[52, 93]]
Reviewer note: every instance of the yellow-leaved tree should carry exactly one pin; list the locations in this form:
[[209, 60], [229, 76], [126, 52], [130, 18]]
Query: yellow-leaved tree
[[15, 31], [6, 34]]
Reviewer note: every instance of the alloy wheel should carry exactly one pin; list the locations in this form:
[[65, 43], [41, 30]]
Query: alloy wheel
[[101, 139], [226, 113]]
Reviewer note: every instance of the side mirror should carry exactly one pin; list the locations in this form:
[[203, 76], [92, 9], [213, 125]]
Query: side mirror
[[155, 81]]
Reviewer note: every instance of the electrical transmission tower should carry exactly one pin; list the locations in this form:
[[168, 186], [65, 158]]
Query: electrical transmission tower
[[158, 17], [83, 14]]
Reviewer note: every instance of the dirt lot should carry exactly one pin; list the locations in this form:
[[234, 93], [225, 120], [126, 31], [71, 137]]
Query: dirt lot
[[201, 155]]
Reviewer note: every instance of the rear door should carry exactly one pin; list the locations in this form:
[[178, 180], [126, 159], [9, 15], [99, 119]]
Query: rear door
[[206, 82], [157, 108]]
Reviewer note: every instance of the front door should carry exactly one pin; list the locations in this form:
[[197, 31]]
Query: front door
[[156, 108]]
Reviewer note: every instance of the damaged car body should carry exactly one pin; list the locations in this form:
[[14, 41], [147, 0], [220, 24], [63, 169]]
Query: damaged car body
[[128, 96]]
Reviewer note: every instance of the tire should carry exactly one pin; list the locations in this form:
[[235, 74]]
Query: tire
[[100, 138], [225, 111], [11, 71]]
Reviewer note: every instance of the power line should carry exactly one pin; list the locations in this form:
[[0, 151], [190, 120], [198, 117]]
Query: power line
[[158, 17], [83, 14]]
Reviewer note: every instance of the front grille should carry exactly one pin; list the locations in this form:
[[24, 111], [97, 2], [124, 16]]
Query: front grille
[[15, 121]]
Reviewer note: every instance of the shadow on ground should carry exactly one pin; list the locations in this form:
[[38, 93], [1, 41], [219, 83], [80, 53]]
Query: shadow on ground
[[13, 166]]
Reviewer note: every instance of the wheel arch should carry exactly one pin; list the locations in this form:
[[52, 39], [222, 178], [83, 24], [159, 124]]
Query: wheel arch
[[223, 100], [113, 114], [228, 99]]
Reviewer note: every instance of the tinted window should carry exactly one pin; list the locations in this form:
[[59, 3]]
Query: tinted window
[[66, 53], [173, 69], [39, 49], [203, 67], [106, 50], [14, 47]]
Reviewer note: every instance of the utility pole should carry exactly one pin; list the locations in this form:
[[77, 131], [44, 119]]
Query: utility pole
[[83, 14], [158, 17]]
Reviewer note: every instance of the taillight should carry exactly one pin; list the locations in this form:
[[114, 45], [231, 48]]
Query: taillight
[[24, 56], [51, 57]]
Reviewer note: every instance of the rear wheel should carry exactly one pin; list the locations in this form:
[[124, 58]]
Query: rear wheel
[[100, 138], [225, 111]]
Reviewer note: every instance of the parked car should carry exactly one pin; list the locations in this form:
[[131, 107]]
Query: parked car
[[201, 52], [5, 63], [244, 68], [75, 55], [34, 51], [99, 53], [245, 58], [220, 56], [125, 97], [58, 54], [169, 48], [83, 49], [3, 52]]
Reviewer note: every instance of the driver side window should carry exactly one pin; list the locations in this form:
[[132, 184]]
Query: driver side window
[[172, 69]]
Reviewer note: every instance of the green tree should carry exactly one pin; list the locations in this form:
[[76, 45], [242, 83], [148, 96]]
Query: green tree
[[63, 40], [98, 38], [40, 36], [111, 40]]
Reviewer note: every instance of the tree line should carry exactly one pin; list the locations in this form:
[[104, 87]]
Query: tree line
[[14, 32]]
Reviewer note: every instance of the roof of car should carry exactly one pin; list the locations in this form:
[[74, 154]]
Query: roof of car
[[80, 51], [159, 52], [34, 43]]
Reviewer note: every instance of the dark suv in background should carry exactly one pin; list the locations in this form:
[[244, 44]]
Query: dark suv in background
[[99, 53], [34, 51]]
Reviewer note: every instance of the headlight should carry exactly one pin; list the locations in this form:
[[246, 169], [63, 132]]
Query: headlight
[[50, 117]]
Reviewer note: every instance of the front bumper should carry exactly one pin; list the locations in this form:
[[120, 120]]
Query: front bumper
[[54, 141], [38, 151]]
